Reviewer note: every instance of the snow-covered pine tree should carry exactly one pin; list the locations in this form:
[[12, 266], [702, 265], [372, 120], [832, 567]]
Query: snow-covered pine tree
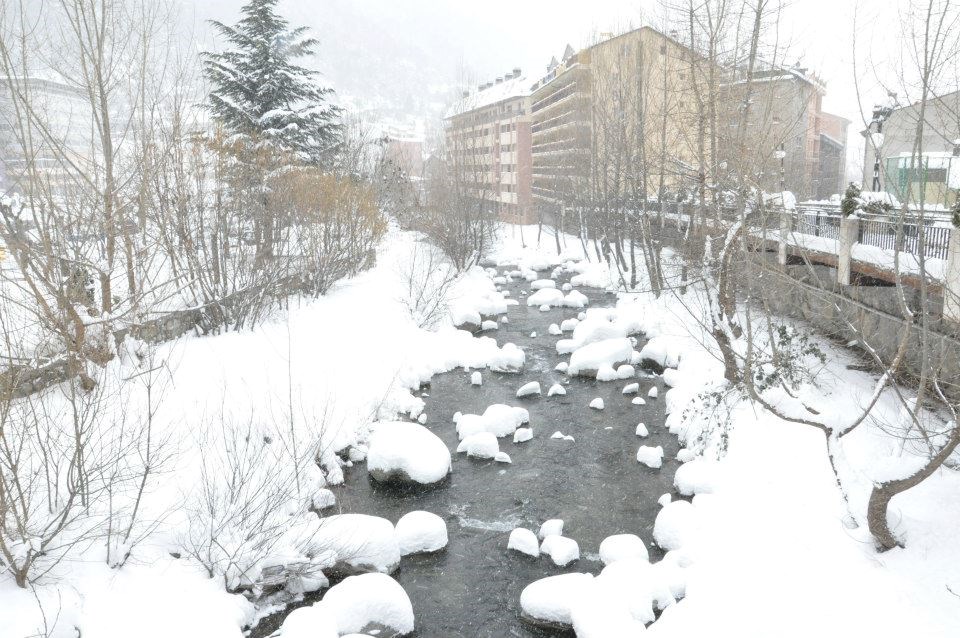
[[851, 200], [261, 97]]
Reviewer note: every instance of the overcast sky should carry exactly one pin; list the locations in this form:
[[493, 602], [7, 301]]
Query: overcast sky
[[490, 37]]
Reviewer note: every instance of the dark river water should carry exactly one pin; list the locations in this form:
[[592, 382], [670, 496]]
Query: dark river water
[[472, 589]]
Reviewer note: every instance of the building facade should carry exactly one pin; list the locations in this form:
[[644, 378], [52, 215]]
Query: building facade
[[26, 153], [832, 171], [488, 143], [891, 163], [611, 123]]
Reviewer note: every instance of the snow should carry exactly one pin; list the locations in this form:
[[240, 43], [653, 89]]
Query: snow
[[546, 297], [544, 308], [562, 550], [306, 622], [642, 430], [621, 547], [561, 436], [556, 389], [476, 378], [597, 404], [696, 477], [552, 527], [626, 371], [489, 325], [653, 393], [676, 525], [662, 350], [568, 325], [529, 389], [359, 601], [359, 540], [664, 500], [589, 359], [407, 452], [554, 330], [638, 401], [650, 456], [498, 419], [576, 299], [323, 498], [550, 599], [502, 457], [524, 541], [684, 455], [522, 435], [631, 388], [420, 531], [482, 445], [540, 284]]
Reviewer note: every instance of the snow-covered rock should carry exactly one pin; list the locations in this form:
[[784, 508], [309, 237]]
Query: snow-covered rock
[[561, 367], [544, 308], [631, 388], [313, 621], [675, 525], [407, 453], [358, 543], [522, 435], [482, 445], [498, 419], [419, 532], [568, 325], [546, 297], [556, 389], [489, 324], [552, 527], [642, 430], [575, 299], [547, 602], [561, 436], [685, 455], [597, 404], [540, 284], [508, 358], [653, 393], [561, 550], [622, 546], [323, 499], [665, 499], [529, 389], [502, 457], [554, 330], [476, 378], [696, 477], [524, 541], [626, 371], [660, 353], [369, 603], [587, 360], [566, 287], [638, 401], [650, 456]]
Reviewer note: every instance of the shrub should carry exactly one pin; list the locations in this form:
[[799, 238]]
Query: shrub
[[851, 200]]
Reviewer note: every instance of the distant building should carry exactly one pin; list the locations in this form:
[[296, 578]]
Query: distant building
[[406, 154], [785, 118], [610, 122], [890, 162], [66, 115], [488, 142], [832, 173]]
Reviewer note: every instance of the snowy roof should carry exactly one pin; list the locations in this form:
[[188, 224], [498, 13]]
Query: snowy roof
[[508, 89]]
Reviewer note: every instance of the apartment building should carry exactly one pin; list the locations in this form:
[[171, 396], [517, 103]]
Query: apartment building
[[489, 145], [611, 121], [890, 163], [832, 172], [25, 153]]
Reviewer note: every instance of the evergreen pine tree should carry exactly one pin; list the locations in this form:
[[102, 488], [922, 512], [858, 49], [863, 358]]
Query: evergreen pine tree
[[851, 200], [260, 96]]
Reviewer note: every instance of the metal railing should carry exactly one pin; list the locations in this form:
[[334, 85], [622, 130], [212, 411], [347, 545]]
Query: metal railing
[[882, 233]]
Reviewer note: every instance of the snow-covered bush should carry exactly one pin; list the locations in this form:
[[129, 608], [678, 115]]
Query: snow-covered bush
[[248, 519], [851, 200], [427, 279]]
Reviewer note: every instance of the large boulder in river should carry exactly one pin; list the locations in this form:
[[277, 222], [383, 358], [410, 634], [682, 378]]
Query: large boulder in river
[[357, 544], [547, 603], [373, 604], [407, 454]]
